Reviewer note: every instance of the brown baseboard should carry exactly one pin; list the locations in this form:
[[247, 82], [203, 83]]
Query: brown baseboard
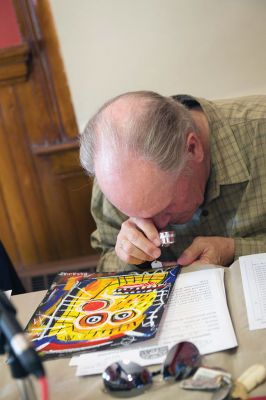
[[40, 276]]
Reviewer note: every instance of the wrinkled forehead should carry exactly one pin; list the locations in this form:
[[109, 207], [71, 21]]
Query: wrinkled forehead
[[135, 186]]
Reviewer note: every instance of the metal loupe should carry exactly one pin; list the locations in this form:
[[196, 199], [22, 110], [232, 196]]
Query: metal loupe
[[167, 238]]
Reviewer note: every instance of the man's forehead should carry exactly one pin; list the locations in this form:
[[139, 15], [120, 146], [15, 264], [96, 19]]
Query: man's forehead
[[134, 186]]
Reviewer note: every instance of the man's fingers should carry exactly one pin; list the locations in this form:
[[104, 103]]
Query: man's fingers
[[209, 250], [192, 253], [130, 259], [127, 250], [148, 228], [130, 248], [135, 240]]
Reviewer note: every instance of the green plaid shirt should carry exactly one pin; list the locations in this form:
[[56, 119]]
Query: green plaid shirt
[[235, 198]]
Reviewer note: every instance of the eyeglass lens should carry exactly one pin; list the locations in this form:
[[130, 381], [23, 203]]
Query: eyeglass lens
[[128, 379], [182, 360]]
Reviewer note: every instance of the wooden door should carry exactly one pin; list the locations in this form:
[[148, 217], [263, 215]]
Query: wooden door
[[44, 194]]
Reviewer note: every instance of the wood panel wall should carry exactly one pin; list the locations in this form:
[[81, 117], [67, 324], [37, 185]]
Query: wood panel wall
[[44, 194]]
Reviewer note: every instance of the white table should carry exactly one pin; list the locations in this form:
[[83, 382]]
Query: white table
[[65, 385]]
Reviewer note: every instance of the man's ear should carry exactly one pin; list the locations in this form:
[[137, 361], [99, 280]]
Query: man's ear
[[194, 147]]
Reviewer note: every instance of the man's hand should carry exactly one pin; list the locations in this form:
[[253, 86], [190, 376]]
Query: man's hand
[[209, 250], [138, 241]]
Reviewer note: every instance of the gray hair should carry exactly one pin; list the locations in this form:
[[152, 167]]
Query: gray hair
[[155, 128]]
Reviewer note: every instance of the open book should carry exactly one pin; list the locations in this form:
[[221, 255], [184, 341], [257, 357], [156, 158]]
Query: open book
[[196, 311]]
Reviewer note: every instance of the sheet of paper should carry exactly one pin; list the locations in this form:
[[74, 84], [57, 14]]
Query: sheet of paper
[[253, 273], [196, 311]]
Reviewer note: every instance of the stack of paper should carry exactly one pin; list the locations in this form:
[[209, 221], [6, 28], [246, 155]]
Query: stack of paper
[[253, 273]]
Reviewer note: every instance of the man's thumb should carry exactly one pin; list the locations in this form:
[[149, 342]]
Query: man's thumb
[[190, 255]]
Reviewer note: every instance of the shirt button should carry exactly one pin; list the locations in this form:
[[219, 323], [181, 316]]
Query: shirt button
[[205, 213]]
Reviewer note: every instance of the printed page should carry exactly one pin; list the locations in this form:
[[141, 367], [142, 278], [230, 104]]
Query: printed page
[[196, 311], [253, 273]]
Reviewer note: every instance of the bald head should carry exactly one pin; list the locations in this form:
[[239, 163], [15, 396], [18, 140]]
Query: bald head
[[137, 145], [144, 124]]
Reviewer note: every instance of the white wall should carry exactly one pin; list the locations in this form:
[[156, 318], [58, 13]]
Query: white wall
[[209, 48]]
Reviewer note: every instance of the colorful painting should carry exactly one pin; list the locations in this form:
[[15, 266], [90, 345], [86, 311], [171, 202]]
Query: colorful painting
[[85, 311]]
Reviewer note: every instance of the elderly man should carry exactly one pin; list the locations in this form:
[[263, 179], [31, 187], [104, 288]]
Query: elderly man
[[190, 165]]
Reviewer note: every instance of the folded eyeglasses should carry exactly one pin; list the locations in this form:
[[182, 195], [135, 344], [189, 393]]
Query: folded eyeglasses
[[128, 379]]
